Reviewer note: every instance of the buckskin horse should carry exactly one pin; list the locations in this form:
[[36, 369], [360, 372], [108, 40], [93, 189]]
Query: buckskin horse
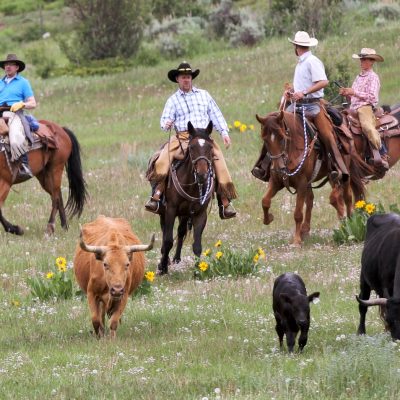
[[47, 165], [295, 163], [187, 196]]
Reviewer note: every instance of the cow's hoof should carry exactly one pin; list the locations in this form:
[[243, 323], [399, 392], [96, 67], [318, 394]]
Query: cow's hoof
[[268, 219]]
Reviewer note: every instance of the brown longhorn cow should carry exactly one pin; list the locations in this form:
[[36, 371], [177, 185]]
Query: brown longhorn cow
[[107, 270]]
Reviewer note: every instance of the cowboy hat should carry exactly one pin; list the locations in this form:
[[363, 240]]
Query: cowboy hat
[[13, 58], [183, 68], [303, 39], [368, 53]]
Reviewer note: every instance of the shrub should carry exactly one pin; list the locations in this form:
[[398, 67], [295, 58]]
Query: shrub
[[226, 262], [56, 284], [353, 229], [248, 33], [389, 12]]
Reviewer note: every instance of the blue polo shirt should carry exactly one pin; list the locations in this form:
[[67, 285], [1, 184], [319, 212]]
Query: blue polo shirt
[[19, 89]]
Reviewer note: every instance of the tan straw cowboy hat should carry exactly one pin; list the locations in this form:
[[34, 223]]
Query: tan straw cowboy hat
[[13, 58], [368, 53], [183, 68], [302, 38]]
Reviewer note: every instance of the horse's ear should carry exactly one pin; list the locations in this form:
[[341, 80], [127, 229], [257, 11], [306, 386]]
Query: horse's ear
[[190, 128], [280, 116], [261, 120], [209, 128]]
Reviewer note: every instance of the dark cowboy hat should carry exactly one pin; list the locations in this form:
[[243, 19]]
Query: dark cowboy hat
[[183, 68], [13, 58]]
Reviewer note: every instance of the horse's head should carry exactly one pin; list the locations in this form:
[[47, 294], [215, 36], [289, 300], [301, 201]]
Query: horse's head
[[200, 151], [274, 133]]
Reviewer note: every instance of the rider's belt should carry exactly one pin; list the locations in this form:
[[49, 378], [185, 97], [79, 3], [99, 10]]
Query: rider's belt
[[181, 132], [309, 101]]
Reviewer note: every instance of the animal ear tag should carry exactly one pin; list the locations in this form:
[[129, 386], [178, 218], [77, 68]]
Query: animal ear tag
[[315, 300]]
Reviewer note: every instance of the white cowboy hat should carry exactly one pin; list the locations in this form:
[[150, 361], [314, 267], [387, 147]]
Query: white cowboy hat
[[368, 53], [302, 38]]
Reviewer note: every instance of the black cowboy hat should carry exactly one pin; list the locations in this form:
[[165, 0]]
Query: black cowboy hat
[[183, 68], [13, 58]]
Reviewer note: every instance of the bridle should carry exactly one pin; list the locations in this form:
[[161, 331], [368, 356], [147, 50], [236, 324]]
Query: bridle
[[204, 193]]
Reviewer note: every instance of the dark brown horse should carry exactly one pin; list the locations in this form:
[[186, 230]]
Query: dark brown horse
[[188, 195], [48, 166], [295, 163]]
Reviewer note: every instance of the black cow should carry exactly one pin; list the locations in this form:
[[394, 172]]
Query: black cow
[[380, 271], [291, 307]]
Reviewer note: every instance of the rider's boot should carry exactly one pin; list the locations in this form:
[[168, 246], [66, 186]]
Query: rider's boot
[[226, 209], [153, 204], [24, 171]]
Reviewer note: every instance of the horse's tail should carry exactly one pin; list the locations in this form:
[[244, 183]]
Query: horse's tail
[[77, 195], [359, 169]]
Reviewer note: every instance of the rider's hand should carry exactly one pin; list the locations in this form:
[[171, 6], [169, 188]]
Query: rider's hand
[[227, 141], [346, 91], [297, 96], [17, 106], [169, 124]]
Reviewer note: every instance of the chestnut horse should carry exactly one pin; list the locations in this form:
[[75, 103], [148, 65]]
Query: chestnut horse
[[48, 166], [187, 195], [295, 163]]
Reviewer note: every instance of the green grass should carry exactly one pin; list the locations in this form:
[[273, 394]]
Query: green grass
[[190, 338]]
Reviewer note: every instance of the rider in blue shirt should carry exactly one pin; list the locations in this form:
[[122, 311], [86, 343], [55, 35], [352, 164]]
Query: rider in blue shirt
[[16, 91]]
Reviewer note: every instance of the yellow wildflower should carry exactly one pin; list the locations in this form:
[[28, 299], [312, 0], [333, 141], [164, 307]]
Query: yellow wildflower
[[15, 303], [49, 275], [237, 124], [149, 276], [218, 254], [255, 258], [229, 126], [251, 127], [61, 263], [261, 252], [370, 208], [243, 128], [360, 204], [218, 243], [203, 266], [207, 252]]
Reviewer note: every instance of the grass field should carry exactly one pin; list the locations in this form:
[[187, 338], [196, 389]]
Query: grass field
[[191, 339]]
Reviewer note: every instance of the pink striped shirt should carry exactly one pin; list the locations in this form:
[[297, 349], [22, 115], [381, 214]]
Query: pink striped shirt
[[366, 88]]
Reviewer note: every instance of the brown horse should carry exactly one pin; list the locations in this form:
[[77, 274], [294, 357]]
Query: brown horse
[[48, 166], [187, 196], [295, 163], [390, 136]]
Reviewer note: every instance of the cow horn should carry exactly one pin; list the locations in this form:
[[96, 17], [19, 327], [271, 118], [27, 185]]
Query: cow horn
[[380, 301], [99, 250], [141, 247]]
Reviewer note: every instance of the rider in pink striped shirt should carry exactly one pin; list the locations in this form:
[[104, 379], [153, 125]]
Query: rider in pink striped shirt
[[364, 95]]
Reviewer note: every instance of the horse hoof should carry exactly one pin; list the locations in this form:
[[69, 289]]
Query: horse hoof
[[50, 229], [161, 272], [176, 261], [268, 219], [15, 230], [295, 245]]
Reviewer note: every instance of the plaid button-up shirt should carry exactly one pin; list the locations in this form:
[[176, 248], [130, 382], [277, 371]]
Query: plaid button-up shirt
[[366, 88], [198, 107]]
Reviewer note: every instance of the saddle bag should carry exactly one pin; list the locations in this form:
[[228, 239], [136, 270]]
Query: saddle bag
[[3, 127]]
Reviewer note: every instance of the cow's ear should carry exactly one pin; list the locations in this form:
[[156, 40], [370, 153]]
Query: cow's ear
[[313, 296], [285, 297]]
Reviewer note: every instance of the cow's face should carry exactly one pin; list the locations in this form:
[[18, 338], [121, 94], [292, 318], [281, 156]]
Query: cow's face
[[392, 317], [116, 265]]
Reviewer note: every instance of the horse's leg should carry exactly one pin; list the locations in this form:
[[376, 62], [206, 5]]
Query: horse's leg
[[50, 179], [348, 198], [199, 223], [168, 219], [306, 225], [8, 226], [273, 188], [182, 231], [298, 215], [337, 201]]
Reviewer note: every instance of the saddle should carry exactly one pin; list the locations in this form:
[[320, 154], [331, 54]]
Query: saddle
[[43, 136], [384, 122]]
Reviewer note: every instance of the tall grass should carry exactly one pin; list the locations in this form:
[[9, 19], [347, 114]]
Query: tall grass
[[190, 339]]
